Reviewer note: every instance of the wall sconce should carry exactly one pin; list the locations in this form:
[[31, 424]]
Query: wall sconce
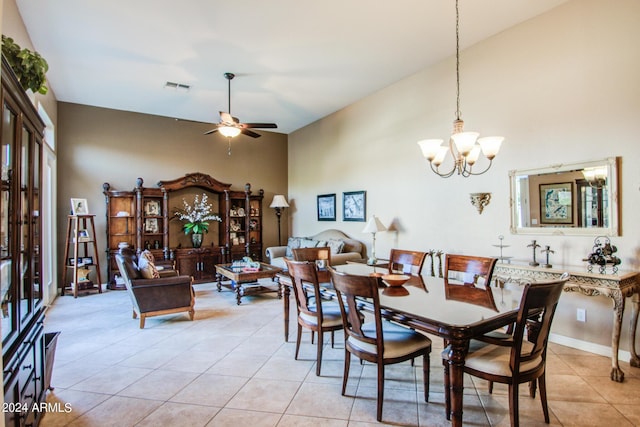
[[480, 200]]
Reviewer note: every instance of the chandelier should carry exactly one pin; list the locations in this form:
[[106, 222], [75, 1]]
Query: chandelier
[[464, 147]]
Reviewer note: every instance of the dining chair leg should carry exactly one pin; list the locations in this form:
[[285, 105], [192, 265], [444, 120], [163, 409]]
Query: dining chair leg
[[426, 375], [532, 389], [312, 336], [345, 373], [490, 387], [319, 352], [380, 390], [543, 397], [513, 405], [299, 337], [332, 340], [447, 391]]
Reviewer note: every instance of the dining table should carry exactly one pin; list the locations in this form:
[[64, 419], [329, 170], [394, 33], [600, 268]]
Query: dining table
[[422, 304]]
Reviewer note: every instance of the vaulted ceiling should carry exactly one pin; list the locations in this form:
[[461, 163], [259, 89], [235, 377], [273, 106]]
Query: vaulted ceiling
[[295, 61]]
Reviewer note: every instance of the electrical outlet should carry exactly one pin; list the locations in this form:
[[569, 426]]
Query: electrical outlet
[[581, 315]]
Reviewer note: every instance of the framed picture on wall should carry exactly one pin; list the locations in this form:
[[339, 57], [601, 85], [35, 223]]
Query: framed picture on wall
[[354, 206], [556, 203], [327, 207]]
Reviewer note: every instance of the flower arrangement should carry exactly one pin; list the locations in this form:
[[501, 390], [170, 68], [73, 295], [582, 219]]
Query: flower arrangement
[[197, 216]]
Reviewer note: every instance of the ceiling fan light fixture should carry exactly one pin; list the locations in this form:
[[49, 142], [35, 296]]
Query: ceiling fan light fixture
[[229, 131]]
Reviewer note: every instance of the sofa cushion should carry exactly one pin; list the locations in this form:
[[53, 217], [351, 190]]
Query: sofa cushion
[[147, 266], [335, 246], [308, 243], [292, 243]]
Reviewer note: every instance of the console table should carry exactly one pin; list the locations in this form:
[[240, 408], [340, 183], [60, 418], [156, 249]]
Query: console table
[[615, 286]]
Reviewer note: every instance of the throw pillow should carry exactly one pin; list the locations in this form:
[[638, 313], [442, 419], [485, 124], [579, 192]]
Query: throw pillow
[[147, 266], [336, 246], [308, 243], [292, 243]]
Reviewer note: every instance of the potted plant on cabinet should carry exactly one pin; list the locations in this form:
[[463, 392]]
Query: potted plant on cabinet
[[29, 67], [197, 217]]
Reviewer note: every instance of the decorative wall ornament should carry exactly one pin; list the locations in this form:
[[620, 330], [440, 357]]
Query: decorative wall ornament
[[480, 200]]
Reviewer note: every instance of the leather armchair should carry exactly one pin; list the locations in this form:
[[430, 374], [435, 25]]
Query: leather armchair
[[155, 297]]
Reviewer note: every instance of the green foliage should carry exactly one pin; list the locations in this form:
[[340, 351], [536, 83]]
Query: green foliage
[[29, 67]]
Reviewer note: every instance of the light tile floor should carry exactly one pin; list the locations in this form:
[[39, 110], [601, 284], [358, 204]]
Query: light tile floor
[[231, 367]]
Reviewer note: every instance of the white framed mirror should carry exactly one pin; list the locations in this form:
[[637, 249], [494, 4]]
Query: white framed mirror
[[566, 199]]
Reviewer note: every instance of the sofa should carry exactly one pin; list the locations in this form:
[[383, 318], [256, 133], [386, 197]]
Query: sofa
[[343, 248]]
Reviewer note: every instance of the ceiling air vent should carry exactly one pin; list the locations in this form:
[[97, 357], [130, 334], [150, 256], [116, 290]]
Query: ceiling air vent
[[177, 86]]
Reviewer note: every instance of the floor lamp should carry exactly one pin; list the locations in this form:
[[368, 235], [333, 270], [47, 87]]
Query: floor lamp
[[279, 203]]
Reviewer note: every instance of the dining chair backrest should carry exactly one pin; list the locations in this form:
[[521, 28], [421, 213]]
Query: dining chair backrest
[[405, 261], [349, 288], [538, 304], [305, 286], [468, 278], [321, 256]]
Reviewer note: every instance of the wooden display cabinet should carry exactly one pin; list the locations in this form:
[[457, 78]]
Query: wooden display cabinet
[[152, 214], [121, 229], [243, 224], [22, 316]]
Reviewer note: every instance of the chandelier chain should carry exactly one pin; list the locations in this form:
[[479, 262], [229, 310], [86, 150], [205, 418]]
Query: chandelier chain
[[457, 62]]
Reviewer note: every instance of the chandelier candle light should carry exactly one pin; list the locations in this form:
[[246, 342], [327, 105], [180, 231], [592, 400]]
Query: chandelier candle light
[[373, 226], [464, 146]]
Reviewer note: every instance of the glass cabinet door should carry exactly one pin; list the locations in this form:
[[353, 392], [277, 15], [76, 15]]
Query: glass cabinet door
[[36, 237], [24, 215], [8, 317]]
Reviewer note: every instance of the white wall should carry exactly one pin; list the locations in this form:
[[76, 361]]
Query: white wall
[[562, 87]]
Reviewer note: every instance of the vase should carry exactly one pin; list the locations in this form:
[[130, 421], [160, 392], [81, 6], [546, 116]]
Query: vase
[[196, 239]]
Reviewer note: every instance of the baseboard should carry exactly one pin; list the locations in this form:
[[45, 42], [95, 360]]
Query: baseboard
[[602, 350]]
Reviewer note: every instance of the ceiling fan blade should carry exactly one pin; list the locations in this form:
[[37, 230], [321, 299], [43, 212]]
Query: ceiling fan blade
[[226, 117], [209, 132], [250, 133], [259, 125]]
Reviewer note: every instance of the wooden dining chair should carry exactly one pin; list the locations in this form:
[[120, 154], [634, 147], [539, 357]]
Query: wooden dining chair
[[321, 256], [409, 262], [317, 317], [468, 278], [380, 342], [518, 360]]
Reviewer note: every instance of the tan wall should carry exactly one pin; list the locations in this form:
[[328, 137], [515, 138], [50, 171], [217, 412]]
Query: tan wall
[[97, 145], [562, 88]]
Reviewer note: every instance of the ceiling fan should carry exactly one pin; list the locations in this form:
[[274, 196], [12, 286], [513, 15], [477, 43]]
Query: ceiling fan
[[230, 126]]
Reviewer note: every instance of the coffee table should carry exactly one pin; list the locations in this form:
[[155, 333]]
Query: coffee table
[[247, 282]]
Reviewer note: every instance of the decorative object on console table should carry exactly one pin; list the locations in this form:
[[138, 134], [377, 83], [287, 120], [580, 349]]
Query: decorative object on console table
[[602, 254], [439, 256], [548, 251], [534, 245], [197, 217], [327, 207], [279, 203], [501, 246], [373, 226], [354, 206]]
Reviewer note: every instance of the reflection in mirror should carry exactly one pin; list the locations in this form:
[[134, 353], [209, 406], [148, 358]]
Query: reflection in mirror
[[566, 199]]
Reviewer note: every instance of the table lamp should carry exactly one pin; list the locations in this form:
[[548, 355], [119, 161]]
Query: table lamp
[[279, 203], [373, 226]]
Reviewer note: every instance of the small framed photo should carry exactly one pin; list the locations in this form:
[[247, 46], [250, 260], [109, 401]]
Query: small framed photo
[[327, 207], [152, 208], [83, 234], [79, 207], [354, 206], [72, 261], [88, 260], [151, 225], [556, 203]]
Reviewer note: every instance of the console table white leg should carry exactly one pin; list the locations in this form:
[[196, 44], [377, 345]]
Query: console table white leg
[[618, 310], [635, 309]]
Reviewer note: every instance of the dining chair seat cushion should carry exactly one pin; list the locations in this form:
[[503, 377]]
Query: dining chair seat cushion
[[398, 340], [494, 359], [330, 312]]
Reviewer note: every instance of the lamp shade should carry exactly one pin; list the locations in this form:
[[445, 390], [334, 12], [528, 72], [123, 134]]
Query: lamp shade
[[374, 225], [279, 202], [229, 131]]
